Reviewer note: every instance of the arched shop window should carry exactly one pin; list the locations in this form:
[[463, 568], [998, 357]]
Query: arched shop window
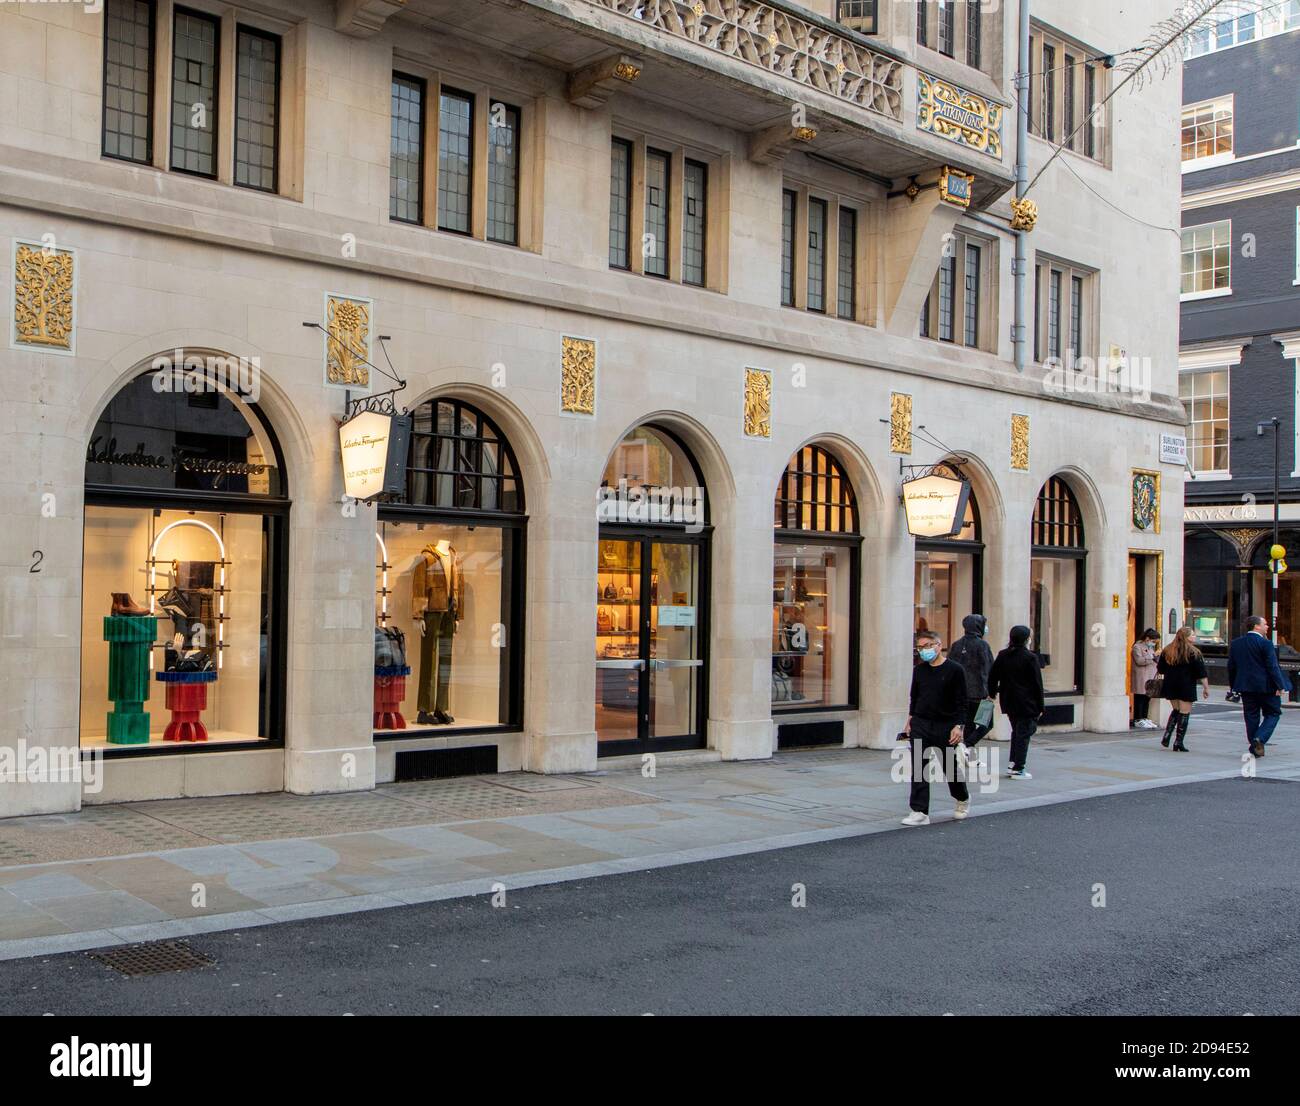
[[652, 586], [184, 573], [815, 589], [1056, 587], [949, 579], [449, 581]]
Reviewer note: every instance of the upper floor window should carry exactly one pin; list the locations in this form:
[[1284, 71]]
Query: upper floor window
[[1235, 24], [1067, 87], [1205, 399], [476, 180], [1207, 130], [945, 12], [1207, 260], [960, 306], [820, 248], [662, 229], [1063, 299], [860, 15], [128, 80], [943, 26], [188, 68]]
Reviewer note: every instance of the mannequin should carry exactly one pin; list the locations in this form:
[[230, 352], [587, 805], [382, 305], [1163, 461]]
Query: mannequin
[[437, 604]]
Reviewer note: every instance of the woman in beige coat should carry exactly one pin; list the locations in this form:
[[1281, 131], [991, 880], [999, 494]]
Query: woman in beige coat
[[1144, 668]]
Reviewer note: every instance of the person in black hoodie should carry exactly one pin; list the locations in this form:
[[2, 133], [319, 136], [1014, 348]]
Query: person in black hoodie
[[1017, 680], [972, 652], [935, 714]]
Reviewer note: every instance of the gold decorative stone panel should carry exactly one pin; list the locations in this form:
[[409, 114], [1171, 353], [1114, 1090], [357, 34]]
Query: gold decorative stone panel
[[1020, 442], [778, 42], [957, 114], [1146, 501], [44, 290], [347, 341], [900, 423], [758, 403], [578, 375]]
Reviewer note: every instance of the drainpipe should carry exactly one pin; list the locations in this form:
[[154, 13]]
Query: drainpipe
[[1020, 268]]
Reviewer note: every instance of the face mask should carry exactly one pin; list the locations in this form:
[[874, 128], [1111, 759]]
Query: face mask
[[928, 655]]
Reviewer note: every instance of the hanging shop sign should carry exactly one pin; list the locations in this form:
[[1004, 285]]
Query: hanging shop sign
[[373, 446], [958, 115], [936, 506], [956, 187]]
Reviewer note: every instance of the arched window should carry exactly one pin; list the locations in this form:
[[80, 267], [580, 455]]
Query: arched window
[[815, 589], [1056, 587], [948, 583], [815, 494], [185, 567], [460, 460], [449, 582]]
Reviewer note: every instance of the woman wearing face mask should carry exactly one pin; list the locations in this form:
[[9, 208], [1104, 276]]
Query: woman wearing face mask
[[1017, 680]]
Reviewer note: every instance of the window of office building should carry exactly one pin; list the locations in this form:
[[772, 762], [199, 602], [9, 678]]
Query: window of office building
[[1236, 24], [663, 229], [815, 593], [503, 174], [1067, 85], [184, 573], [128, 80], [789, 200], [1207, 259], [847, 270], [1205, 399], [957, 308], [455, 160], [820, 248], [860, 15], [194, 92], [1207, 130], [816, 254], [1056, 587], [449, 580], [406, 150], [694, 221], [620, 204], [1063, 299], [257, 108]]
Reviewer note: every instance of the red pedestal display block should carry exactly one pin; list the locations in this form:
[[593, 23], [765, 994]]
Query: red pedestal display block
[[390, 690], [186, 698]]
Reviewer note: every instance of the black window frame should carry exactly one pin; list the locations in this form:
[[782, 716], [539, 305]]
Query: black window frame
[[818, 256], [629, 149], [1057, 532], [664, 157], [971, 295], [215, 113], [848, 218], [973, 32], [242, 29], [946, 28], [422, 86], [862, 15], [947, 313], [448, 92], [789, 221], [922, 15], [702, 218], [152, 8], [518, 130]]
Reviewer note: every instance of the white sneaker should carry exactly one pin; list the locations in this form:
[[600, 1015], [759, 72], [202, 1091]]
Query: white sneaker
[[962, 810], [1146, 724], [916, 818], [1020, 775]]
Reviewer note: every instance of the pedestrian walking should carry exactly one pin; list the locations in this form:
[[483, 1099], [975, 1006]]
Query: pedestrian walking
[[1254, 674], [936, 715], [1143, 671], [972, 652], [1016, 678], [1181, 667]]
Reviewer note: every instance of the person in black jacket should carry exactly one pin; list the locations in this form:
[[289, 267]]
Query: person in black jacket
[[936, 716], [1182, 667], [1017, 680], [972, 652]]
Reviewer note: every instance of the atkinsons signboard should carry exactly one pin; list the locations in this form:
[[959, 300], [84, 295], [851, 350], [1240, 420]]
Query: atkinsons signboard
[[935, 505], [373, 448]]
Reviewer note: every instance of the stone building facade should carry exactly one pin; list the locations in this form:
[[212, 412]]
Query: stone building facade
[[707, 265]]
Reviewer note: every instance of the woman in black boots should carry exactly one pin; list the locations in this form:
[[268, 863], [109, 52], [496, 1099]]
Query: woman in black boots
[[1182, 666]]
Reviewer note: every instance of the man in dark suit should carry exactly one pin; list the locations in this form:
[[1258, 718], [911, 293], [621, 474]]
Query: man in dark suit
[[1253, 672]]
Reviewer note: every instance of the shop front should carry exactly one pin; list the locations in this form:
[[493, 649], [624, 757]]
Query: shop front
[[184, 574], [949, 574], [449, 585], [652, 588], [1057, 588]]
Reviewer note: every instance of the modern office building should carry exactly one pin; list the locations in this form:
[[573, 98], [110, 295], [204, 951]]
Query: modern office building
[[1239, 355], [680, 294]]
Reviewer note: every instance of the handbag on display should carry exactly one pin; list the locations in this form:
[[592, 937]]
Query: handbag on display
[[604, 622], [390, 647]]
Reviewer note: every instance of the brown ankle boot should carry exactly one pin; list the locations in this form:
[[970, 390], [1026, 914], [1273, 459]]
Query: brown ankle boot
[[123, 604]]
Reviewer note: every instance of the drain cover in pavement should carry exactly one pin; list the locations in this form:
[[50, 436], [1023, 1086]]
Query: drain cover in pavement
[[152, 958]]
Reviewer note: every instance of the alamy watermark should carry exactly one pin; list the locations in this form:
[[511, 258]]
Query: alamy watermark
[[652, 503], [23, 763], [179, 371], [1116, 375]]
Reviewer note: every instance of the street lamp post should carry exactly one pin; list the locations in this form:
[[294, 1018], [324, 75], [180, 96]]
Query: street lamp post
[[1276, 425]]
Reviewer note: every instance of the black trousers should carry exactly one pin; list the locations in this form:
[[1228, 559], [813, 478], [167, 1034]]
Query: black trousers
[[932, 735], [1141, 707], [1022, 729]]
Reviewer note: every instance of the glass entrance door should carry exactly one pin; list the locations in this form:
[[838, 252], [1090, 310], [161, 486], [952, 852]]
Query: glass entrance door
[[649, 645]]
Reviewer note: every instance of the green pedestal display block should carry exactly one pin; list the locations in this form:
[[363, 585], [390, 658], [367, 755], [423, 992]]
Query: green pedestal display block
[[129, 637]]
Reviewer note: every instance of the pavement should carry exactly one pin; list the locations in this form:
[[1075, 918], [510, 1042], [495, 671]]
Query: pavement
[[115, 875], [1135, 903]]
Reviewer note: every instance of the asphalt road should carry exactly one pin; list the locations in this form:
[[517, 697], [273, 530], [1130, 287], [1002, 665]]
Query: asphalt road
[[991, 916]]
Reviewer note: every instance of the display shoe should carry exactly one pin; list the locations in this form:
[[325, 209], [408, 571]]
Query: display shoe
[[443, 718], [426, 719], [123, 604]]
